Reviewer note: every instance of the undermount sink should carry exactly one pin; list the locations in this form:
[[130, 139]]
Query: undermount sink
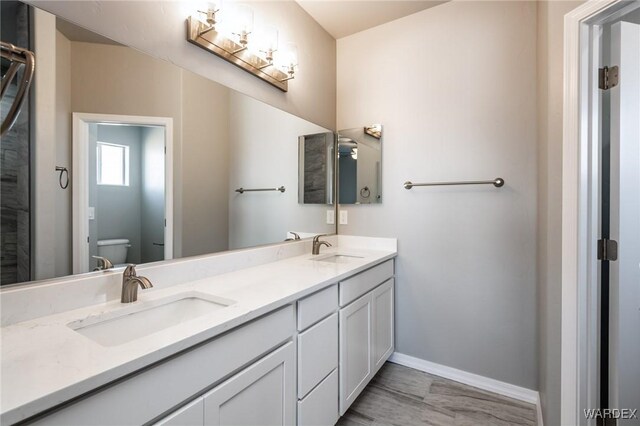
[[337, 258], [131, 323]]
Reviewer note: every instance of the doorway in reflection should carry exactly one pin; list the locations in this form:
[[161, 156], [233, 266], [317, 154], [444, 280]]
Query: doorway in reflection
[[126, 204]]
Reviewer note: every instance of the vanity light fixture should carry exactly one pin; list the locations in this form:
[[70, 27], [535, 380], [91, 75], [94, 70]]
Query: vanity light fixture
[[255, 52]]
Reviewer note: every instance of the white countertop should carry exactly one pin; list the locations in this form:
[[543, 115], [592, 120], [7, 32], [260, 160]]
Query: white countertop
[[44, 362]]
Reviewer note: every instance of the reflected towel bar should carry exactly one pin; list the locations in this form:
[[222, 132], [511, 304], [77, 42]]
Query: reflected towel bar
[[243, 190], [497, 182]]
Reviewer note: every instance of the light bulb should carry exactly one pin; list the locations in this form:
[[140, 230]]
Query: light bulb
[[290, 55], [265, 42]]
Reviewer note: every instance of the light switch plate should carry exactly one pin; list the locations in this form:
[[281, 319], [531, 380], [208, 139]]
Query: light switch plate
[[344, 217], [331, 217], [92, 213]]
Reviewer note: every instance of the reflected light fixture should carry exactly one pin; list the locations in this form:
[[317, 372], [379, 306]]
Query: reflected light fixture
[[235, 40]]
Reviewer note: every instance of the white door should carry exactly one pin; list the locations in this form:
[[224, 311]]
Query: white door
[[355, 349], [262, 394], [624, 326], [383, 324]]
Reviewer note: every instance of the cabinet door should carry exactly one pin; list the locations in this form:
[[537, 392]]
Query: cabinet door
[[191, 414], [317, 354], [355, 349], [382, 324], [262, 394]]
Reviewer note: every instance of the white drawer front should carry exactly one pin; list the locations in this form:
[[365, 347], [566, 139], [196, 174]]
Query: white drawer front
[[317, 306], [354, 287], [317, 353], [320, 407]]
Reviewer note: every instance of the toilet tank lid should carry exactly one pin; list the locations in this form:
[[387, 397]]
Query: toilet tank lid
[[113, 242]]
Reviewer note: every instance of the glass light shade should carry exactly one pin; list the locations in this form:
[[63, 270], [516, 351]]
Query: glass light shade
[[203, 7], [243, 19], [289, 55], [266, 38]]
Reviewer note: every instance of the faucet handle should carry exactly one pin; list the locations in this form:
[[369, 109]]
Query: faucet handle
[[103, 263], [317, 237], [130, 270]]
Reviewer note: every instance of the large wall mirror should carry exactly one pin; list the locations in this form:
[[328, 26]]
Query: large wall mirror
[[162, 163]]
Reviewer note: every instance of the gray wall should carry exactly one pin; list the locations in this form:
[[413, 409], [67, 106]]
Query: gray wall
[[466, 286], [152, 194], [205, 155], [265, 154]]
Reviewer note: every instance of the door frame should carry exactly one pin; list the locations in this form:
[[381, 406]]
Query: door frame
[[581, 181], [80, 179]]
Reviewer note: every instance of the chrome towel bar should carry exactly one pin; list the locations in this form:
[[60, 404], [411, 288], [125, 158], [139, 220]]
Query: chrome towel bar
[[243, 190], [497, 182]]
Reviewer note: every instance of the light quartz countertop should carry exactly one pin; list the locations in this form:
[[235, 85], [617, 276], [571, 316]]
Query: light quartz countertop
[[45, 362]]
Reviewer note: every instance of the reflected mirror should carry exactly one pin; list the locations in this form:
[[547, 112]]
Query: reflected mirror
[[316, 165], [360, 165], [155, 155]]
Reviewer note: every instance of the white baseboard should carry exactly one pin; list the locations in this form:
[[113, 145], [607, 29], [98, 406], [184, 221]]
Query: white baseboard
[[481, 382]]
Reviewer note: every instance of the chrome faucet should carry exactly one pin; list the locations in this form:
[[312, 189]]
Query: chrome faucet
[[103, 263], [317, 243], [296, 236], [130, 283]]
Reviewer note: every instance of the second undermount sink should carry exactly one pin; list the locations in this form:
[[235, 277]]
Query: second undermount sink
[[131, 323], [337, 258]]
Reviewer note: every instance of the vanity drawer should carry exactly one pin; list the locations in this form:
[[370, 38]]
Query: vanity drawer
[[190, 415], [317, 354], [354, 287], [320, 407], [317, 306]]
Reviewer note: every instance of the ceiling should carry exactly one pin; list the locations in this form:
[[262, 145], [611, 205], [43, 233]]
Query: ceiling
[[342, 18], [76, 33]]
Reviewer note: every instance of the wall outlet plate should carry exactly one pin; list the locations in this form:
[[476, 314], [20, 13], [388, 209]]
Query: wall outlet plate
[[331, 217], [344, 217]]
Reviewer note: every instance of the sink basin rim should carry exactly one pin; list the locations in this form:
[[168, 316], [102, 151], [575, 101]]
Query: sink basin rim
[[336, 257], [142, 306]]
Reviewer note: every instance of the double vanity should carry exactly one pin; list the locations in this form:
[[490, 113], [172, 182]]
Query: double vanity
[[271, 335]]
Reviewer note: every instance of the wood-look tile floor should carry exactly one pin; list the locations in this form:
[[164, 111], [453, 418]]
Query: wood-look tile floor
[[402, 396]]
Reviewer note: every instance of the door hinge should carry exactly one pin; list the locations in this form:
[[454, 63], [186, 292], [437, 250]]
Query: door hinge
[[607, 249], [607, 77]]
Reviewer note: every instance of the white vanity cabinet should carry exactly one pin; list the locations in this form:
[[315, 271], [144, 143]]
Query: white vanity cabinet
[[149, 394], [191, 414], [262, 394], [302, 364], [366, 329], [318, 358]]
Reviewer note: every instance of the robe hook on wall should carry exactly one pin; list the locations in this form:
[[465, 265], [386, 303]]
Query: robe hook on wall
[[64, 173]]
